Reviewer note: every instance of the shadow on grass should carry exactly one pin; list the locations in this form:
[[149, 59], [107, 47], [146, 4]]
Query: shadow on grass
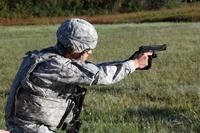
[[173, 118], [156, 113]]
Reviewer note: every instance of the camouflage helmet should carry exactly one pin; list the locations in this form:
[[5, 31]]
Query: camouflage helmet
[[77, 34]]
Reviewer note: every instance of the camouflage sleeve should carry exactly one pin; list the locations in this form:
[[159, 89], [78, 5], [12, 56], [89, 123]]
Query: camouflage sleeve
[[104, 73], [61, 71], [52, 72], [112, 72]]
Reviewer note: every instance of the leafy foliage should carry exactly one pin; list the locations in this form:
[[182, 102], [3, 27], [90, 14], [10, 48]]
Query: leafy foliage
[[50, 8]]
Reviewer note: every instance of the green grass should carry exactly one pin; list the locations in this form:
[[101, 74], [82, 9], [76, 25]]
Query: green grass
[[163, 99]]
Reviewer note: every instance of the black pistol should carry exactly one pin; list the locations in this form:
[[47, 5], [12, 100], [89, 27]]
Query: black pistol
[[149, 48]]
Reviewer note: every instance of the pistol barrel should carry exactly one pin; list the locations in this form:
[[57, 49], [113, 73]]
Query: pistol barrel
[[153, 48]]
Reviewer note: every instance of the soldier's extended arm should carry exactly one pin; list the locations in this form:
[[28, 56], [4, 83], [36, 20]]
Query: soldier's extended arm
[[88, 73]]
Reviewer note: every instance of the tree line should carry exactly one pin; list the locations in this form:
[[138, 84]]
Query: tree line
[[50, 8]]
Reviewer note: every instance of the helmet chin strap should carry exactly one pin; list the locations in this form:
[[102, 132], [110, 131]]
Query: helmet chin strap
[[82, 57]]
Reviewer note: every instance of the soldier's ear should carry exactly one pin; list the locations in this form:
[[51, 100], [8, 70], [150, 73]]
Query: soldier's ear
[[69, 50]]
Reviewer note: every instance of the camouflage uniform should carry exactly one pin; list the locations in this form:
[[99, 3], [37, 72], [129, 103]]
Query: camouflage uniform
[[39, 95]]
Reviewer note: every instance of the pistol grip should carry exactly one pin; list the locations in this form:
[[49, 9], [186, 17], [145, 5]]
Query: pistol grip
[[149, 63]]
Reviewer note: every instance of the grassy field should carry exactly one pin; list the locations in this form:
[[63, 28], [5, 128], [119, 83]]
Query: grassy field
[[163, 99]]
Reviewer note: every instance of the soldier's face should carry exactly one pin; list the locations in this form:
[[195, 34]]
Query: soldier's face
[[85, 55]]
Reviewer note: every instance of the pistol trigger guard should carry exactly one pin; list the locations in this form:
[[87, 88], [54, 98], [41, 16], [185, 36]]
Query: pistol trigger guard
[[154, 55]]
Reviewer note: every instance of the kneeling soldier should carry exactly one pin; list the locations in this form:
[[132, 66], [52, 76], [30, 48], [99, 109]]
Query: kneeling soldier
[[46, 93]]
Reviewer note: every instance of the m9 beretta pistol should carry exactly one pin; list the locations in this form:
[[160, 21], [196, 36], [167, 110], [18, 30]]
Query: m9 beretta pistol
[[149, 48]]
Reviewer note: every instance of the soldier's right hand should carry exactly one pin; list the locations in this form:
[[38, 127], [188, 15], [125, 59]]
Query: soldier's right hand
[[141, 61]]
